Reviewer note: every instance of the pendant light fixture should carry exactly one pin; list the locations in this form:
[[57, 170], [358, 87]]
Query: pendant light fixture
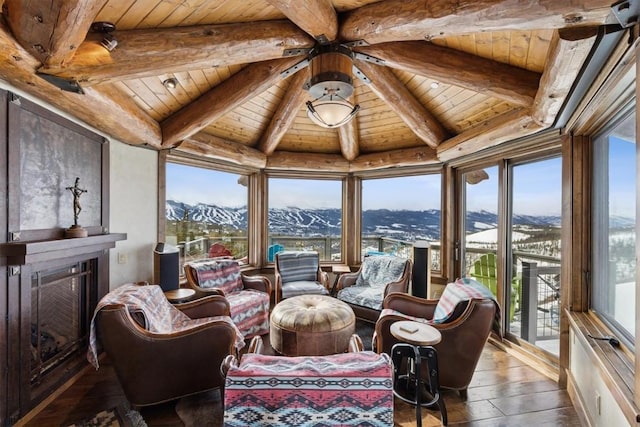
[[330, 86]]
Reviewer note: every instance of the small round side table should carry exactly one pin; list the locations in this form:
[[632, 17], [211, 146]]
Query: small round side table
[[179, 295], [417, 344]]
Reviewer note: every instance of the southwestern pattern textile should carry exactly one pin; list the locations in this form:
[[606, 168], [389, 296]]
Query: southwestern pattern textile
[[338, 390]]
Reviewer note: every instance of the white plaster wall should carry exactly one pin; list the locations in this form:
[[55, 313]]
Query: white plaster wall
[[133, 210], [590, 384]]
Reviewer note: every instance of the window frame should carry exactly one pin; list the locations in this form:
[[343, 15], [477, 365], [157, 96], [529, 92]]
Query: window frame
[[337, 177], [597, 221], [405, 173], [216, 166]]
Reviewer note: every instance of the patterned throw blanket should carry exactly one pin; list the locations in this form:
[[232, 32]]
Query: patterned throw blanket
[[461, 290], [160, 316], [249, 307], [336, 390]]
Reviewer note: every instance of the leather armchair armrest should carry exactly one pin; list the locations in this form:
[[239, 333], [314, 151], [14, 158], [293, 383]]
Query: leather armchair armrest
[[229, 361], [346, 280], [401, 286], [410, 305], [323, 278], [213, 305], [355, 344], [255, 346], [258, 283]]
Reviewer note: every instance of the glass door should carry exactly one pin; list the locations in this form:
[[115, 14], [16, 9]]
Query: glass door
[[478, 243], [533, 297]]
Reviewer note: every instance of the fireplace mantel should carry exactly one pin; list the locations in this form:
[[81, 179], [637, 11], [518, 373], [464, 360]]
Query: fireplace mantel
[[21, 253]]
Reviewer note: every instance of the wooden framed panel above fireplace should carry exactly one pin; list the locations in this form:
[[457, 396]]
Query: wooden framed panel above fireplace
[[50, 284]]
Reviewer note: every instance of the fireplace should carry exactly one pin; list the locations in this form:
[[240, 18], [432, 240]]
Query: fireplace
[[49, 285], [53, 286], [60, 316]]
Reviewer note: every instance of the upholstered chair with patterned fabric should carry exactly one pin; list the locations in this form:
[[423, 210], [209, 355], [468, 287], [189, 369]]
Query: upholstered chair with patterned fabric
[[299, 273], [249, 296], [377, 277]]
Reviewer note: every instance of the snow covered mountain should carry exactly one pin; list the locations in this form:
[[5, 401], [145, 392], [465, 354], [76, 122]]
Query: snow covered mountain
[[403, 224]]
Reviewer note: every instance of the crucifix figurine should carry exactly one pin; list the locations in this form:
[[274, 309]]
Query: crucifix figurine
[[76, 191]]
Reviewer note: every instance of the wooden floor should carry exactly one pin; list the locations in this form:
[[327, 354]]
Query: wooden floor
[[504, 392]]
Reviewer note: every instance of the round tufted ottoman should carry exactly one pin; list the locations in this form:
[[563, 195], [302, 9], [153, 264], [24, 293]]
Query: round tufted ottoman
[[311, 325]]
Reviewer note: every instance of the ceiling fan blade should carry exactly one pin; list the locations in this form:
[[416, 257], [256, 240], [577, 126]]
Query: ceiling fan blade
[[395, 20], [145, 53], [317, 17]]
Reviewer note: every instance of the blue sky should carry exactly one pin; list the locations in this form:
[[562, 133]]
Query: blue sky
[[622, 178], [192, 185], [537, 188]]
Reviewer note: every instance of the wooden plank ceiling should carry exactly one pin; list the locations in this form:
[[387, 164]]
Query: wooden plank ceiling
[[457, 76]]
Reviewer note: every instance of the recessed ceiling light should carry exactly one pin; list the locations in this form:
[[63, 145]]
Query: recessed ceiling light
[[170, 83], [435, 85]]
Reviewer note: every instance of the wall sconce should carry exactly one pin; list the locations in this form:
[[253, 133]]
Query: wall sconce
[[108, 41]]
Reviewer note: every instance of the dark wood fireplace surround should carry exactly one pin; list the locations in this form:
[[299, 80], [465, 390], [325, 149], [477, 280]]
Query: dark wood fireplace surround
[[40, 154]]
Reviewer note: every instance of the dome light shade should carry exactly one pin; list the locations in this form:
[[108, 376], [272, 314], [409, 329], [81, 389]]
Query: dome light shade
[[330, 85], [330, 111]]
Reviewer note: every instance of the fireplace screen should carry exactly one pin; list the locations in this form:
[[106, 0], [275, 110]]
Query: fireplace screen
[[59, 316]]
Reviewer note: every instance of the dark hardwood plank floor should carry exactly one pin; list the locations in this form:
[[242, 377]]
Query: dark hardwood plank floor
[[504, 392]]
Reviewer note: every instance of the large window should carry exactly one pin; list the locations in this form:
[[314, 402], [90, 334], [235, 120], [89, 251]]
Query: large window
[[305, 214], [614, 225], [398, 211], [206, 212]]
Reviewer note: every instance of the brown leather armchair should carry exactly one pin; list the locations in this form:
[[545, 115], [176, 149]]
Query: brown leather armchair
[[377, 277], [463, 336], [157, 367]]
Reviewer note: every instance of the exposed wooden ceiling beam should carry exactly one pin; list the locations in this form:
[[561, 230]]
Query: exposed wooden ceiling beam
[[236, 90], [287, 160], [506, 127], [567, 52], [317, 17], [212, 147], [286, 112], [106, 110], [394, 158], [51, 31], [152, 52], [512, 84], [390, 89], [349, 140], [394, 20]]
